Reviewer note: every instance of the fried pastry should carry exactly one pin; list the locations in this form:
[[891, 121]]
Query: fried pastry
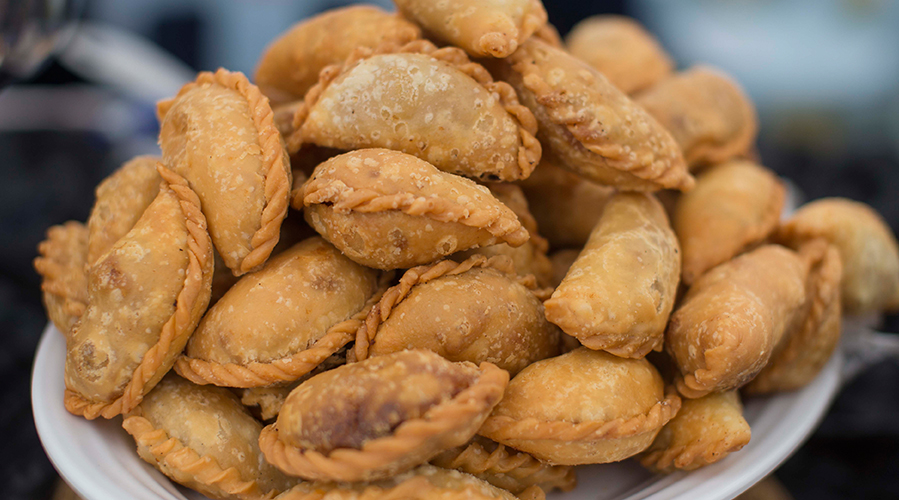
[[622, 50], [591, 126], [219, 134], [145, 297], [562, 261], [380, 417], [389, 210], [618, 294], [730, 321], [475, 311], [582, 407], [482, 27], [432, 103], [61, 264], [202, 438], [291, 63], [279, 323], [704, 431], [867, 246], [734, 206], [707, 113]]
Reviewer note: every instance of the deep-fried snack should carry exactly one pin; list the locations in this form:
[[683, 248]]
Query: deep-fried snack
[[145, 297], [622, 50], [618, 294], [582, 407], [201, 437], [562, 261], [549, 34], [867, 246], [380, 417], [481, 27], [389, 210], [591, 126], [219, 134], [734, 205], [709, 115], [291, 63], [732, 318], [704, 431], [61, 264]]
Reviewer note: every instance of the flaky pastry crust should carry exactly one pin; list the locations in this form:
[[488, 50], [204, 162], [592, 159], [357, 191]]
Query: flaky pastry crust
[[61, 264]]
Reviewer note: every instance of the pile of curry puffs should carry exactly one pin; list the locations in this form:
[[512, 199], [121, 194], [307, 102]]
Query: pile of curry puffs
[[440, 253]]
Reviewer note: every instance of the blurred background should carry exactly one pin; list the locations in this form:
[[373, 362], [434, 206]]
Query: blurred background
[[824, 75]]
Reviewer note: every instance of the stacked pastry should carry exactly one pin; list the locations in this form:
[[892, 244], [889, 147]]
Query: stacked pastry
[[498, 264]]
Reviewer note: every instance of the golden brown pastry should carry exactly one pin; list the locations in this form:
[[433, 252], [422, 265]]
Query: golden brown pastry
[[732, 318], [475, 311], [291, 63], [481, 27], [734, 206], [145, 297], [704, 431], [61, 264], [279, 323], [618, 294], [582, 407], [201, 437], [562, 261], [380, 417], [867, 247], [591, 126], [389, 210], [709, 115], [622, 50], [219, 134], [432, 103]]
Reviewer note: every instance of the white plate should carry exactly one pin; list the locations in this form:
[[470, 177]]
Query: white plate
[[99, 461]]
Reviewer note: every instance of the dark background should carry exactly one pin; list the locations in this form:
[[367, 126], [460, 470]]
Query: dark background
[[48, 176]]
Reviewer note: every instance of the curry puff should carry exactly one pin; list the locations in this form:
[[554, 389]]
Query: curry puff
[[583, 407], [432, 103], [475, 311], [733, 317], [312, 299], [591, 126], [380, 417], [618, 294], [219, 134], [201, 437], [145, 297], [62, 261], [389, 210]]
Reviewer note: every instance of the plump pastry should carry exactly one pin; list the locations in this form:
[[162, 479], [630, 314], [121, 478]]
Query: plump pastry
[[145, 297], [61, 264], [582, 407], [291, 63], [730, 321], [704, 431], [618, 294], [622, 50], [813, 338], [483, 28], [380, 417], [562, 261], [201, 437], [432, 103], [591, 126], [120, 201], [734, 206], [475, 311], [219, 134], [709, 115], [867, 247], [279, 323], [506, 468], [389, 210]]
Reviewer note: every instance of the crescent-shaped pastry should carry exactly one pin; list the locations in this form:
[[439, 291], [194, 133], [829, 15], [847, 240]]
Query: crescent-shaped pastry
[[61, 264], [582, 407], [591, 126], [380, 417], [145, 297], [562, 262], [219, 134], [389, 210]]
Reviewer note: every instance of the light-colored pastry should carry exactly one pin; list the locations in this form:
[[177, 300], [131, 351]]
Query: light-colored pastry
[[562, 261], [61, 264]]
